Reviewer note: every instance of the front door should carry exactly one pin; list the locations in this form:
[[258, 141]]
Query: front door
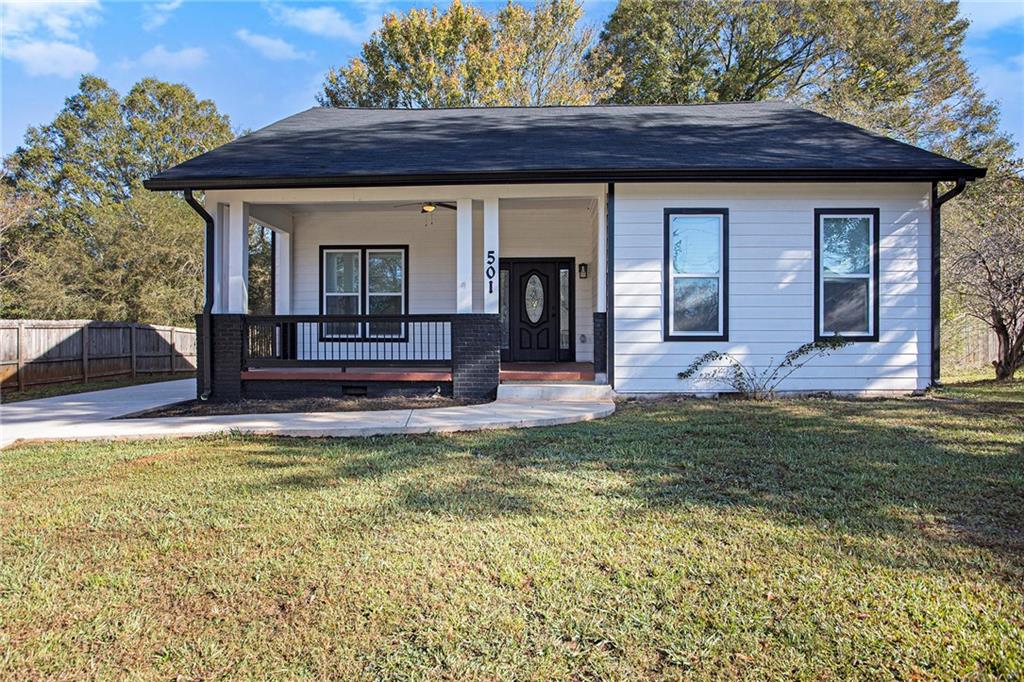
[[536, 300]]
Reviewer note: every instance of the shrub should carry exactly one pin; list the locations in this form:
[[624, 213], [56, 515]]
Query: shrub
[[759, 384]]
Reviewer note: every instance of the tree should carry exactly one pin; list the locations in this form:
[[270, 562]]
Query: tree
[[984, 255], [461, 57], [142, 262], [14, 215], [893, 66], [97, 243]]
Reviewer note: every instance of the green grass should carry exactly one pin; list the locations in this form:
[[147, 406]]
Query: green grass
[[802, 539]]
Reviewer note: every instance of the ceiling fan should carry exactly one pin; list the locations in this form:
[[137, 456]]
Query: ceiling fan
[[428, 206]]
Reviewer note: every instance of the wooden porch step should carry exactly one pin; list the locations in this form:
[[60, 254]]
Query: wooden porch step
[[547, 372]]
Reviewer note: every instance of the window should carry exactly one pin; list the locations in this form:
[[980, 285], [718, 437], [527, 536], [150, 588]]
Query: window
[[366, 280], [696, 274], [846, 273]]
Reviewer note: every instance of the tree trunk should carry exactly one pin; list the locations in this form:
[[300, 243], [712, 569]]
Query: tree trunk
[[1011, 352]]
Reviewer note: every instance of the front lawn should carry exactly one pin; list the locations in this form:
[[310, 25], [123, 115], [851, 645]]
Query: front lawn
[[808, 539]]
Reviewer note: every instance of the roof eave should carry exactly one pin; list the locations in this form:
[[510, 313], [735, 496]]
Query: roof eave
[[575, 176]]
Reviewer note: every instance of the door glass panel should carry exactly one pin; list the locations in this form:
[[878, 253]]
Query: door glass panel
[[503, 306], [534, 299], [563, 309]]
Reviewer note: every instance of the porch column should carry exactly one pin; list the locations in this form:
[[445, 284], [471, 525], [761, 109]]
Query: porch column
[[464, 256], [282, 273], [601, 304], [237, 258], [601, 293], [491, 255]]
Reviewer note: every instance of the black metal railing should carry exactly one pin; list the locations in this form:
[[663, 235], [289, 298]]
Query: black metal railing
[[343, 340]]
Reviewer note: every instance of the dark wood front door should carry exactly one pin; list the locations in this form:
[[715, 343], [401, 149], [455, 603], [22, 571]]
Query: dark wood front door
[[539, 310]]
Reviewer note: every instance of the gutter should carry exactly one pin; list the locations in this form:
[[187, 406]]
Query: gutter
[[569, 175], [208, 300], [937, 201]]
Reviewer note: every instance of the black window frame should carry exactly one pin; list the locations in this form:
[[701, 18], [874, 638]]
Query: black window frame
[[666, 275], [364, 301], [873, 298]]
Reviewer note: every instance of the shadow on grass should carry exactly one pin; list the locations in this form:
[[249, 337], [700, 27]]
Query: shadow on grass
[[949, 469]]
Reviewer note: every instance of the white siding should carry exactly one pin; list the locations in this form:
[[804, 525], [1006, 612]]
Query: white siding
[[771, 284]]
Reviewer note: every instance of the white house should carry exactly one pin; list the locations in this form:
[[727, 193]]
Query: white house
[[457, 248]]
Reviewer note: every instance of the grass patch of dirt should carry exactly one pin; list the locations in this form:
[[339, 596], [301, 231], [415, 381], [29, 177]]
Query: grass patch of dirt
[[806, 539]]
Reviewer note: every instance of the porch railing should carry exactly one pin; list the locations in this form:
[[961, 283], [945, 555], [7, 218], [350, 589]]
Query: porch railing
[[347, 340]]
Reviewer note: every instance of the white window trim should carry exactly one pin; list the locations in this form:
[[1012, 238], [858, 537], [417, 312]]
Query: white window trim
[[869, 276], [672, 275]]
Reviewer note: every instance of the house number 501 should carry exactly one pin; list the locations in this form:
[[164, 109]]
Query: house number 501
[[491, 271]]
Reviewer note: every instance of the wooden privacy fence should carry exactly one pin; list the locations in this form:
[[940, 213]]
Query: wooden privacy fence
[[968, 343], [51, 351]]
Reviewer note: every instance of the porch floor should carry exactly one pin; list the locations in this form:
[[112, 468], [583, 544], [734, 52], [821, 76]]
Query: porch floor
[[509, 372]]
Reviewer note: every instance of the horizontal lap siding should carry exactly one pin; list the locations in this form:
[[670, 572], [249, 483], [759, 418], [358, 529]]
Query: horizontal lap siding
[[431, 268], [771, 284]]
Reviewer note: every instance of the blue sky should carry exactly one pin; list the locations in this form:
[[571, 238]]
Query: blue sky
[[261, 61]]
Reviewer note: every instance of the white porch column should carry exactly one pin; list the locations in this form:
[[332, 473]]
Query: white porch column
[[601, 304], [237, 253], [216, 212], [282, 273], [464, 256], [491, 255]]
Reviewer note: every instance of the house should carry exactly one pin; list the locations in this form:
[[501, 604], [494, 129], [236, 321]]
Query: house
[[456, 248]]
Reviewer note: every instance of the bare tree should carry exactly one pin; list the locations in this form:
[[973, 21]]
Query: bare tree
[[985, 262]]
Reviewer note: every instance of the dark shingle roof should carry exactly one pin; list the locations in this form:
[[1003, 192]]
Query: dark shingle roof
[[360, 147]]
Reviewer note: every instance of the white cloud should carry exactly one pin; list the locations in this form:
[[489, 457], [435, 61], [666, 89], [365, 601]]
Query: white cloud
[[63, 20], [159, 57], [43, 36], [325, 21], [988, 15], [158, 13], [269, 47], [51, 58]]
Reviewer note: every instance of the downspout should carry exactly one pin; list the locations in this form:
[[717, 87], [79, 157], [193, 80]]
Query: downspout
[[937, 202], [208, 301]]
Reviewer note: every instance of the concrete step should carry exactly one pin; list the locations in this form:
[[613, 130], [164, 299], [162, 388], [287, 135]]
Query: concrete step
[[534, 392]]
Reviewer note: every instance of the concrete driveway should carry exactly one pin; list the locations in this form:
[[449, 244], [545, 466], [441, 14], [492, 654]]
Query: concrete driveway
[[88, 416], [58, 416]]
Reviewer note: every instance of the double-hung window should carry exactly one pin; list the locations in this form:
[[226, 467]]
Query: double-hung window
[[846, 273], [363, 281], [696, 274]]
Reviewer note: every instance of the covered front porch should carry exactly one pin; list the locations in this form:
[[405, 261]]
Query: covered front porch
[[448, 290]]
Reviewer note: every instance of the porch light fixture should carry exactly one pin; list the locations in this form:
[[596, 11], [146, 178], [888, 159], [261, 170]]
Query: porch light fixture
[[583, 270]]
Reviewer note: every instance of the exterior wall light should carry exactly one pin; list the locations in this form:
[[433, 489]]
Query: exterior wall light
[[583, 270]]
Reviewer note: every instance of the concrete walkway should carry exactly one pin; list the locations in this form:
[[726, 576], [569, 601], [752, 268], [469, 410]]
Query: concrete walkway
[[87, 416]]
